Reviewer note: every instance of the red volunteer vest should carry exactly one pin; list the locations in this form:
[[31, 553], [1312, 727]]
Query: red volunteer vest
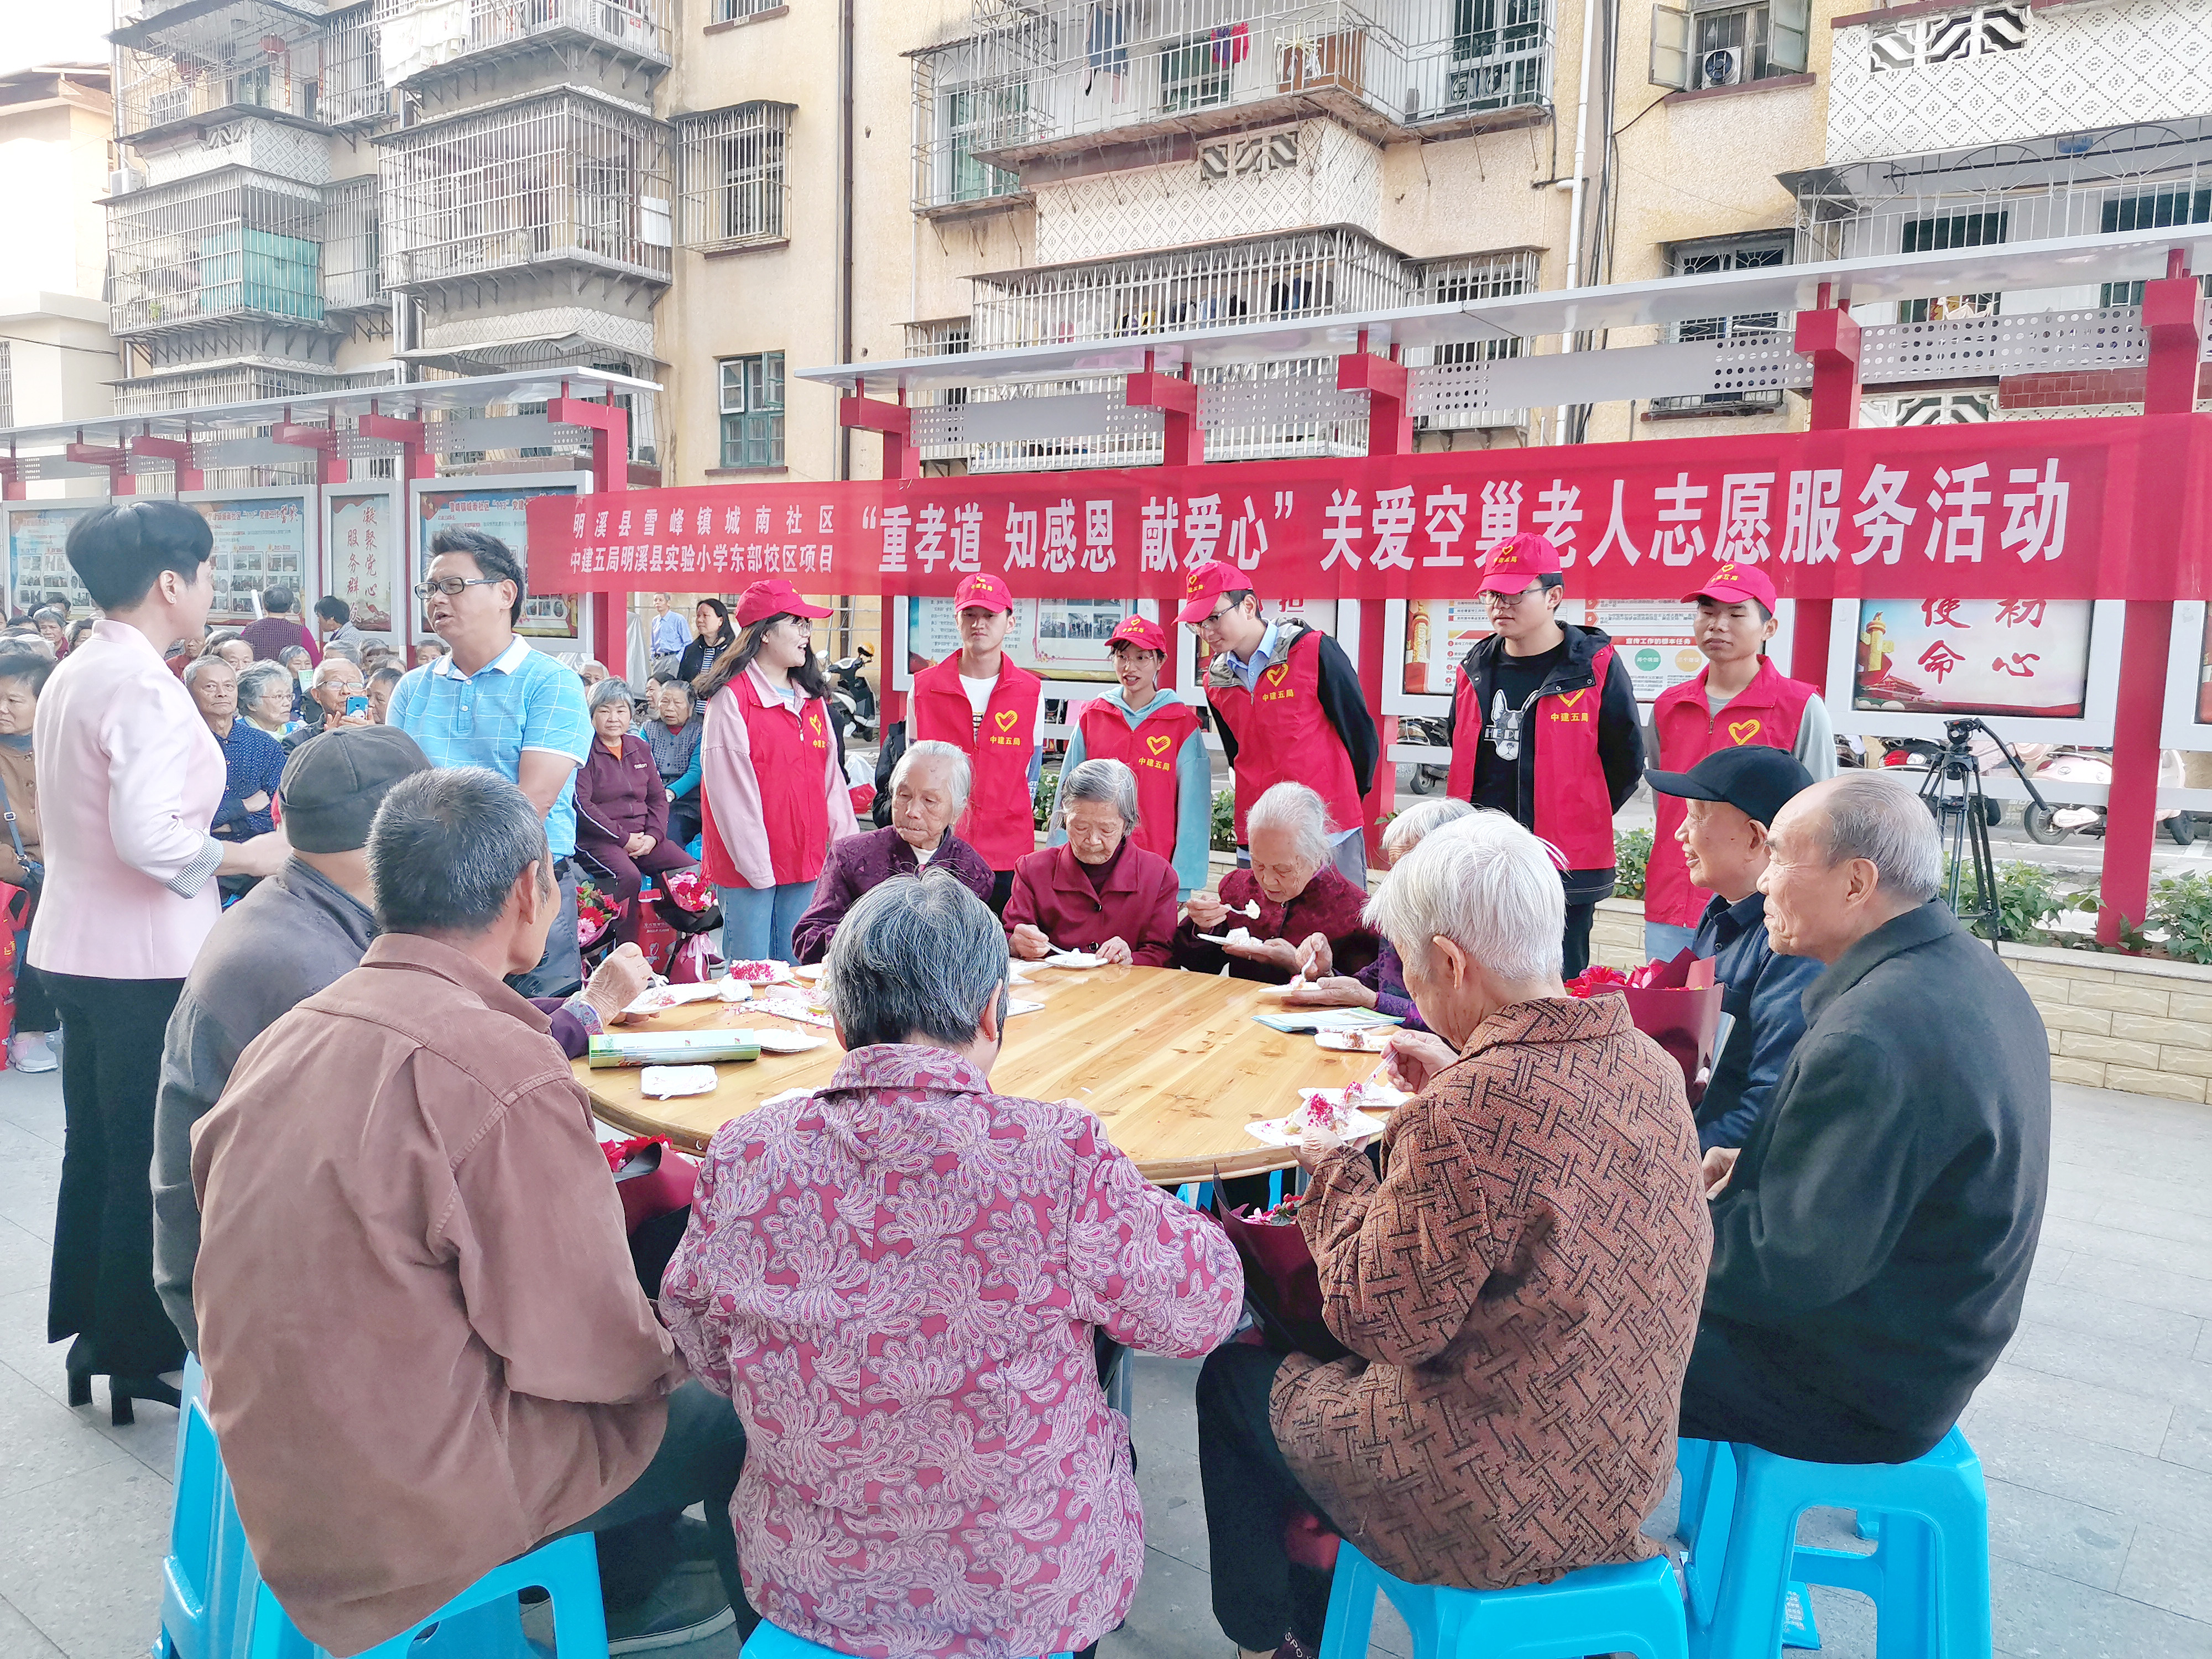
[[1769, 711], [1150, 751], [789, 753], [1574, 808], [1283, 736], [1001, 822]]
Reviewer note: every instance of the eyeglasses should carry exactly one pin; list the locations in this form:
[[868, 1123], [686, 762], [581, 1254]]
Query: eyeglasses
[[452, 586], [1212, 619], [1507, 601]]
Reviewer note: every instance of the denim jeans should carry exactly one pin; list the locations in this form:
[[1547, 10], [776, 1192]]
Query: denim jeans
[[757, 921], [1663, 942]]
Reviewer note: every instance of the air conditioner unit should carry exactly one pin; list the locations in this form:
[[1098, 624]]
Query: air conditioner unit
[[1721, 67], [123, 180]]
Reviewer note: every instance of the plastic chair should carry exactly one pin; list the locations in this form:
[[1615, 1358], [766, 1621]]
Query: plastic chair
[[1636, 1609], [1928, 1576], [208, 1552]]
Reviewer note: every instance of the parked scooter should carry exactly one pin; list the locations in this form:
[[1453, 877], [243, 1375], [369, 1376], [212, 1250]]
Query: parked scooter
[[2048, 826], [850, 691], [1428, 734]]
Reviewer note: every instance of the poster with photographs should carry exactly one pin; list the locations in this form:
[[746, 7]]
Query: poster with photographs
[[1655, 639], [500, 512], [364, 551], [1439, 633], [38, 557], [1973, 657], [260, 542]]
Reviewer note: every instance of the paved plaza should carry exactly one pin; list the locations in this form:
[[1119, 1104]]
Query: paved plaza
[[2095, 1430]]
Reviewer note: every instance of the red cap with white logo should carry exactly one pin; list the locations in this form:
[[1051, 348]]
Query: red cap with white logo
[[1207, 584], [983, 592], [1732, 584], [1140, 631], [1512, 564], [775, 598]]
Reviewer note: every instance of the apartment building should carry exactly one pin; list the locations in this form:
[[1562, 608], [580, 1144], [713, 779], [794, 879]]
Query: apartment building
[[56, 357]]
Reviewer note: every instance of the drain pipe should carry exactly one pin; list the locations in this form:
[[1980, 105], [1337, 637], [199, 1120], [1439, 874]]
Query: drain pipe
[[846, 24], [1574, 198]]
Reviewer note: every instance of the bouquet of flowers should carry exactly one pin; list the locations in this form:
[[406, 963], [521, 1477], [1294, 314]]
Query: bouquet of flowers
[[595, 913], [1675, 1003], [685, 900], [688, 890], [1280, 1280]]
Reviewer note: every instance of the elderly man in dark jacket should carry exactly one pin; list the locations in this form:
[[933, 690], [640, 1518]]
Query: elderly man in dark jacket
[[294, 934], [1872, 1239], [1734, 795]]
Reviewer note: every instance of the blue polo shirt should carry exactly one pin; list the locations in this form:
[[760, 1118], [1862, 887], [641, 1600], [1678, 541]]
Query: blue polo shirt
[[521, 700]]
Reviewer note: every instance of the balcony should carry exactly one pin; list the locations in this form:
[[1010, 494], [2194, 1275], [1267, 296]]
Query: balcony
[[2003, 73], [421, 39], [190, 68], [1070, 75], [226, 245], [565, 178]]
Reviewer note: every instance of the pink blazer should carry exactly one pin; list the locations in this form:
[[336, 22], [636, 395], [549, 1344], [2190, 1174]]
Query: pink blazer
[[129, 780]]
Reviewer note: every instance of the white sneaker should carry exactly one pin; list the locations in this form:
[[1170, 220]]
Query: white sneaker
[[27, 1051]]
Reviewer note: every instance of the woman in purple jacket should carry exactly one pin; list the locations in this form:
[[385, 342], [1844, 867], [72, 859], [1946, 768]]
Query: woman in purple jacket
[[622, 808]]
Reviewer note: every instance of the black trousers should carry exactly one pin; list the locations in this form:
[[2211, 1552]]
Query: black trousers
[[102, 1285], [34, 1007], [1259, 1592], [1002, 889], [1730, 1393], [1574, 943], [701, 1456]]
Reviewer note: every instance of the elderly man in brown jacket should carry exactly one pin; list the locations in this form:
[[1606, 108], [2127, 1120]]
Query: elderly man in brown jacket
[[425, 1346], [1519, 1289]]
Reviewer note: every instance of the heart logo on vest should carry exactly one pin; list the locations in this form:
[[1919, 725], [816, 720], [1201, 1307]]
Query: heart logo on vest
[[1569, 699], [1006, 717], [1278, 674], [1742, 731], [1158, 745]]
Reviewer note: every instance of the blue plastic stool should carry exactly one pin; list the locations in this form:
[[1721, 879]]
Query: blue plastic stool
[[215, 1605], [1708, 1469], [1929, 1576], [1637, 1608]]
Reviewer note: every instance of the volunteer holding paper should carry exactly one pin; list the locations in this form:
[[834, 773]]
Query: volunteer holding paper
[[1156, 735], [773, 795], [993, 712], [1738, 698]]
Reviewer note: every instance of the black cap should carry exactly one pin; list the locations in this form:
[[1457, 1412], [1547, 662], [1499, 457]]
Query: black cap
[[1757, 780], [334, 783]]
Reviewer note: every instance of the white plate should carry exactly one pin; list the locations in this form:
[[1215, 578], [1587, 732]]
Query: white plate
[[661, 998], [674, 1082], [773, 1041], [1281, 1132], [807, 973], [769, 973], [1370, 1097], [1369, 1041], [1074, 959], [1235, 936]]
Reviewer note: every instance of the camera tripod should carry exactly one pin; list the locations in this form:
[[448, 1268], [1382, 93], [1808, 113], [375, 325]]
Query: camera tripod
[[1952, 790]]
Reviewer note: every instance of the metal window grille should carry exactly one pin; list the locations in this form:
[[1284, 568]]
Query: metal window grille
[[7, 385], [728, 12], [1090, 67], [353, 70], [195, 61], [1698, 260], [1276, 278], [351, 277], [1475, 277], [1949, 38], [233, 383], [751, 408], [561, 177], [226, 244], [947, 338], [410, 27], [957, 117], [729, 169]]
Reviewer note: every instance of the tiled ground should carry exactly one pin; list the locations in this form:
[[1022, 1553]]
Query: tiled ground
[[2096, 1430]]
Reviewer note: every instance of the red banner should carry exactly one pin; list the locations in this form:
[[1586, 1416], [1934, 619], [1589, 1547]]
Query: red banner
[[2111, 508]]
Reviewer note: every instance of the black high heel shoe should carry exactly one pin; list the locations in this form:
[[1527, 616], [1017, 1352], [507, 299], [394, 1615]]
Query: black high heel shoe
[[122, 1390], [80, 1364]]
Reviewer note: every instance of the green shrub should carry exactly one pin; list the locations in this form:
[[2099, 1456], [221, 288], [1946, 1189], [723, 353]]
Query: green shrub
[[2027, 893], [2182, 906], [1047, 788], [1631, 855], [1224, 821]]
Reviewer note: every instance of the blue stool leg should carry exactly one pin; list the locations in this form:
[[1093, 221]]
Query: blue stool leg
[[1756, 1570], [1708, 1503], [1274, 1187], [1350, 1619]]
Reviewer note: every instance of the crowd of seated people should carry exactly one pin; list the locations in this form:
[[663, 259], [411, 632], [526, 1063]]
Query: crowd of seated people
[[878, 1357]]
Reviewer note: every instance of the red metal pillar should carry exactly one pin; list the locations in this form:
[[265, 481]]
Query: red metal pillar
[[1184, 440], [1390, 432], [901, 459], [330, 467], [2173, 315], [1828, 335], [414, 462], [609, 425], [117, 461], [177, 450], [12, 486], [1386, 382]]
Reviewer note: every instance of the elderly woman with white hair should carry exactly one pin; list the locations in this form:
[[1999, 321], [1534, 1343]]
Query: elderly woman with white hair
[[1381, 985], [1518, 1287], [929, 790], [1098, 891], [622, 811], [1294, 891]]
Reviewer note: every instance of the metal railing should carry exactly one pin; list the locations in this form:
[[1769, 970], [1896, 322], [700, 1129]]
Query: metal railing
[[1837, 224], [729, 175], [353, 70], [352, 278], [152, 91], [418, 37], [230, 243]]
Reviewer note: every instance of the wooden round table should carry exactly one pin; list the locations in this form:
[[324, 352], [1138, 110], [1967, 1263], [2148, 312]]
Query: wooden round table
[[1172, 1063]]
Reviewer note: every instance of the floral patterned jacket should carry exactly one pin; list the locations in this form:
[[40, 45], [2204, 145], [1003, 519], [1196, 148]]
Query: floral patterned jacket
[[896, 1280]]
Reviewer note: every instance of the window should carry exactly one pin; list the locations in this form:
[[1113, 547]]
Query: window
[[1949, 38], [730, 172], [729, 11], [1496, 54], [980, 118], [1943, 231], [1703, 259], [1195, 75], [752, 409], [2150, 212], [1727, 45]]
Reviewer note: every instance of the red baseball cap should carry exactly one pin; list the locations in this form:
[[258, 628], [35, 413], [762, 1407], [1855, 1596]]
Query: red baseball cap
[[983, 592], [1206, 584], [1510, 565], [1732, 584], [775, 598], [1140, 631]]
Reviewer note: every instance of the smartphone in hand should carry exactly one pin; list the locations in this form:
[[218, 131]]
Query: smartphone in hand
[[356, 705]]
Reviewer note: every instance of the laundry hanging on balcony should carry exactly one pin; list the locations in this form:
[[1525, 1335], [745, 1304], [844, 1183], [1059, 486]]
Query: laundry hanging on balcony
[[1106, 47], [1232, 44]]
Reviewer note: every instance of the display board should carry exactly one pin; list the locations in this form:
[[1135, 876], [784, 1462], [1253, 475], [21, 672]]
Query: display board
[[2039, 671], [261, 540], [1054, 639], [2188, 723], [38, 554], [498, 506], [1654, 639], [363, 540]]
